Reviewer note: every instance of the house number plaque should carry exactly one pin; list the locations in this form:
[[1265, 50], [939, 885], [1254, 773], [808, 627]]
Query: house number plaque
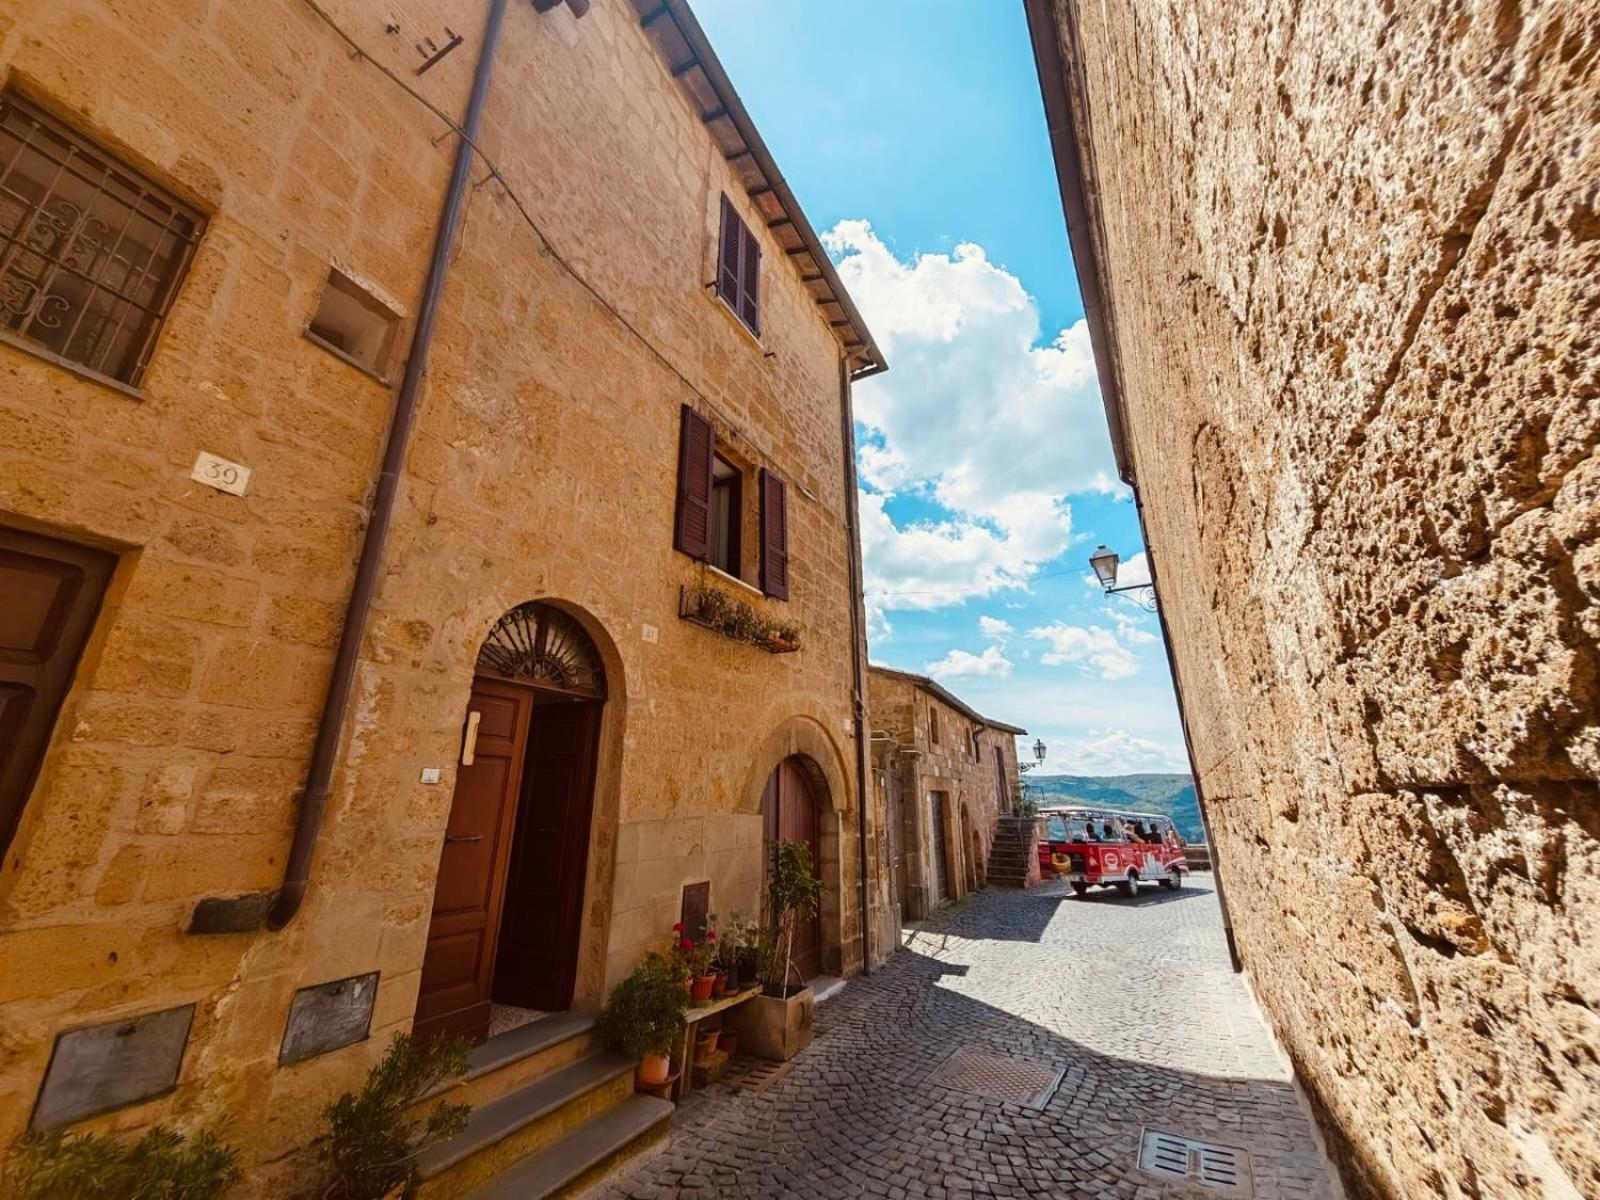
[[225, 476]]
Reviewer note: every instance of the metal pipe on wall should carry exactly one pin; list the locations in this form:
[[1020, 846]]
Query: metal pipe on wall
[[243, 913], [858, 648]]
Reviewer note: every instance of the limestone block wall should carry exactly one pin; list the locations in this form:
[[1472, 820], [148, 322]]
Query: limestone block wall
[[542, 466], [1350, 253]]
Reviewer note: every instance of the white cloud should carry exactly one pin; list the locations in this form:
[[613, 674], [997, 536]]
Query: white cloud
[[1132, 630], [1134, 571], [994, 627], [1114, 752], [975, 416], [1093, 649], [957, 663]]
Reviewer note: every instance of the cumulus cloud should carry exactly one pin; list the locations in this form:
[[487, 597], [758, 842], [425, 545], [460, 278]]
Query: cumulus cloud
[[976, 416], [1116, 752], [1133, 630], [992, 662], [1093, 649], [994, 627]]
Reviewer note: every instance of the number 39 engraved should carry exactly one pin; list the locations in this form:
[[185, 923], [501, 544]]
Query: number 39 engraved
[[225, 476]]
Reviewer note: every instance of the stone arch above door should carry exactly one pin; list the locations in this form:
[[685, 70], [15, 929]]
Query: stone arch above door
[[798, 737]]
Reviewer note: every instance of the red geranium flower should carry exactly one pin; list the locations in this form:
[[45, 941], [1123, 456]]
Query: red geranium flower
[[711, 935], [678, 928], [686, 944]]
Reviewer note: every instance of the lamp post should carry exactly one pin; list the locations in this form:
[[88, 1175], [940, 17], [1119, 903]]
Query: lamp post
[[1105, 561], [1024, 767]]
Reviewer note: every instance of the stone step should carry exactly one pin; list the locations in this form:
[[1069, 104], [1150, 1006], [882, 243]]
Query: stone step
[[583, 1154], [524, 1122], [512, 1060]]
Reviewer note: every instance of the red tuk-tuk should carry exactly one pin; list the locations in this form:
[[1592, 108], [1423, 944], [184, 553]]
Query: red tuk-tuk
[[1097, 847]]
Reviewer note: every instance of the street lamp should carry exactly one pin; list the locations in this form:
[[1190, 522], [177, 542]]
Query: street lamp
[[1038, 751], [1105, 561]]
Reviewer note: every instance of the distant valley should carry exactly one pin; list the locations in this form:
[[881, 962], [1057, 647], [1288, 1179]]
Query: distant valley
[[1172, 795]]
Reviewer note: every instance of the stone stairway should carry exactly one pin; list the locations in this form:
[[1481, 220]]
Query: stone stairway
[[551, 1110], [1014, 857]]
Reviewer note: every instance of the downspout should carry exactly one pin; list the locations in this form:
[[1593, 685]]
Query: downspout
[[244, 913], [858, 649]]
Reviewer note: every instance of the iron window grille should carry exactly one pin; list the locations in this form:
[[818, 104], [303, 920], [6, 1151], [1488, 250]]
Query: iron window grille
[[91, 252]]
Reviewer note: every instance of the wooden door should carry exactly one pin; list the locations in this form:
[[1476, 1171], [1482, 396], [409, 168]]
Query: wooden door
[[538, 961], [49, 594], [458, 965], [941, 850], [790, 809]]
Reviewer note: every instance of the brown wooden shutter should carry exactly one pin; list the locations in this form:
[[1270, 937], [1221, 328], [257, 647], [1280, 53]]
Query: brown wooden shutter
[[696, 443], [49, 594], [730, 244], [774, 536], [750, 283]]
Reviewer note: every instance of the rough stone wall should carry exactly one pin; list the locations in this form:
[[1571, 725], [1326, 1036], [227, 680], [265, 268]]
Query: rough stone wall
[[543, 465], [905, 711], [1351, 253]]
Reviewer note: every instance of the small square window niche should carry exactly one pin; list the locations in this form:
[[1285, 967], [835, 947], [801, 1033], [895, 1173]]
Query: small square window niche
[[353, 323]]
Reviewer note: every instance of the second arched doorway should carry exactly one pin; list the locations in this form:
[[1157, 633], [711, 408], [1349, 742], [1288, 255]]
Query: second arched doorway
[[508, 904], [791, 811]]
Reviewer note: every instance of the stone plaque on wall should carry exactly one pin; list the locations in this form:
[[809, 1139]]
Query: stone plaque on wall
[[101, 1067], [328, 1016]]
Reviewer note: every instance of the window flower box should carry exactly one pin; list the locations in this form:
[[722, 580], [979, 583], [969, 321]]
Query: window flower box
[[737, 619]]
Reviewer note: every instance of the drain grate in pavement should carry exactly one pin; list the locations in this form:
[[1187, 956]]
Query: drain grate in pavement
[[971, 1070], [1224, 1169], [755, 1074]]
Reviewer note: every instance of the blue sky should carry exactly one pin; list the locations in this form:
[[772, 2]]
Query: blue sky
[[913, 133]]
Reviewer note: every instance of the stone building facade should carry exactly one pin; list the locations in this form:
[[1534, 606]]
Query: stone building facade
[[591, 348], [1339, 263], [943, 775]]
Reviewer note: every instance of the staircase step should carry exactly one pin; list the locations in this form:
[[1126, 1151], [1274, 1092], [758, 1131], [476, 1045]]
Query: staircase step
[[525, 1122], [599, 1143]]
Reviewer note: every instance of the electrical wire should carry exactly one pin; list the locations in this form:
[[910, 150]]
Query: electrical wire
[[547, 246], [982, 587]]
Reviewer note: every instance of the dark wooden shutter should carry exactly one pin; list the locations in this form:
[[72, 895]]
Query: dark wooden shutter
[[750, 283], [696, 442], [49, 594], [774, 536], [730, 244]]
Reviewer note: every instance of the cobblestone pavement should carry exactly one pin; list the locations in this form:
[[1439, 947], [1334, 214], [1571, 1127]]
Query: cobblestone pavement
[[1132, 999]]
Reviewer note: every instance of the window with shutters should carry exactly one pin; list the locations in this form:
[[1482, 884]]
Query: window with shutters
[[739, 268], [712, 517], [91, 252], [727, 514]]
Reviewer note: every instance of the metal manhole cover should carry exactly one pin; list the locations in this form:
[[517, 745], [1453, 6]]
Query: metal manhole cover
[[969, 1070], [1224, 1169]]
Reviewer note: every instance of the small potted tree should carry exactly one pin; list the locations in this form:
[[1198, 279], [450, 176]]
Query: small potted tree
[[776, 1025], [643, 1016]]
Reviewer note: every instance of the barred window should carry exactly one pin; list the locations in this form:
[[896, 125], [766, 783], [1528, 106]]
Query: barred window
[[91, 252]]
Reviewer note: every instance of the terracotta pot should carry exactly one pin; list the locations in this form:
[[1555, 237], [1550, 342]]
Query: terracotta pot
[[720, 986], [700, 988], [684, 984], [653, 1069], [705, 1045], [728, 1042]]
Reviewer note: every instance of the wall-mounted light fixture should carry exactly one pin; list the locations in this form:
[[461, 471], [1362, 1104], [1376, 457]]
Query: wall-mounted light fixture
[[1105, 562]]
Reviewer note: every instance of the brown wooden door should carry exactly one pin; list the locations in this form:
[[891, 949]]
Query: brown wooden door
[[790, 809], [941, 850], [458, 966], [538, 960], [49, 594]]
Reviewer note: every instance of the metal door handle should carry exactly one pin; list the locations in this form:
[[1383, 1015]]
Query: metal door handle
[[469, 744], [451, 838]]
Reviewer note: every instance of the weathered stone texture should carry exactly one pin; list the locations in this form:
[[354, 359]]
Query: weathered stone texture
[[1351, 253], [542, 466]]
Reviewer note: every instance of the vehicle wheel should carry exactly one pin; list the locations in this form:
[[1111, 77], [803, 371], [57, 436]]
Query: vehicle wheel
[[1130, 885], [1167, 883], [1081, 889], [1177, 880]]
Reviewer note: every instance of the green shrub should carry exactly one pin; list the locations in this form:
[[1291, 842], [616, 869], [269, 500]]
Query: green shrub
[[162, 1165], [372, 1146], [645, 1011], [793, 893]]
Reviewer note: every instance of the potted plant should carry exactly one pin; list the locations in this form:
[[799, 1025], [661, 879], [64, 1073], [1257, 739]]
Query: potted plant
[[733, 953], [698, 954], [717, 967], [643, 1016], [776, 1025]]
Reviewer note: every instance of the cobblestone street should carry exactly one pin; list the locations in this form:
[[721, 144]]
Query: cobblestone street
[[1133, 1000]]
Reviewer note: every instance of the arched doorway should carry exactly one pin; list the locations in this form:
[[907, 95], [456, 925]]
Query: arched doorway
[[790, 811], [507, 908]]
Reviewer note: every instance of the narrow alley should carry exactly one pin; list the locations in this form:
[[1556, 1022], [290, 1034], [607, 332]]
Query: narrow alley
[[1131, 1002]]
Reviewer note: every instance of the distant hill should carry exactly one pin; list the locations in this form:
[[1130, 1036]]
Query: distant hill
[[1172, 795]]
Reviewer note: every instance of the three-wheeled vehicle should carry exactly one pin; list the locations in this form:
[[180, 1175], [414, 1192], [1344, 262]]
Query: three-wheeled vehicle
[[1099, 847]]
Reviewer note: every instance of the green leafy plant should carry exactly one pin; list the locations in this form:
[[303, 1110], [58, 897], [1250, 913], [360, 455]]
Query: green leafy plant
[[793, 893], [372, 1146], [161, 1165], [738, 619], [645, 1010]]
